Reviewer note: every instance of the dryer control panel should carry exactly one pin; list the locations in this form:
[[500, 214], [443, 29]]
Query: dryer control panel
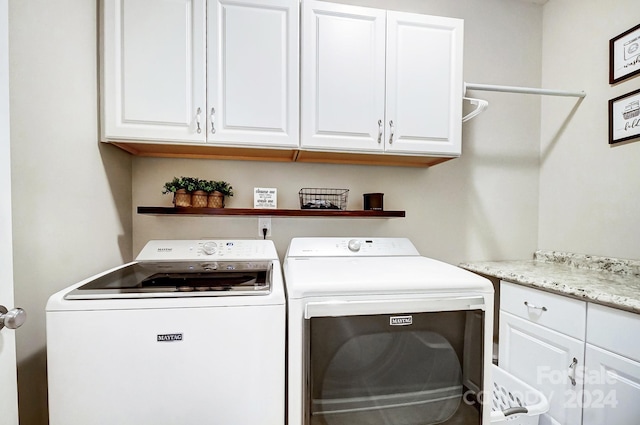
[[351, 247]]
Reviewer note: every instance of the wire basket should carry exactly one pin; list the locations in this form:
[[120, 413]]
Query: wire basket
[[324, 199]]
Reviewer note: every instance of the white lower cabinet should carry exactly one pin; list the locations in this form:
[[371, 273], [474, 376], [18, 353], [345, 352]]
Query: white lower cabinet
[[612, 375], [583, 357], [611, 388], [548, 360]]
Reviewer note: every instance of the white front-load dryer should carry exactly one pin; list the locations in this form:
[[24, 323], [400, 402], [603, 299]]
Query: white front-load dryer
[[378, 334]]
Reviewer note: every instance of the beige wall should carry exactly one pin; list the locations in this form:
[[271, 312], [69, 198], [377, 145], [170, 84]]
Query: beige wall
[[481, 206], [590, 192], [77, 218], [71, 197], [518, 186]]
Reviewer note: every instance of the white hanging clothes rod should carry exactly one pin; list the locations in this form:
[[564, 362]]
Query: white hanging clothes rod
[[525, 90], [481, 105]]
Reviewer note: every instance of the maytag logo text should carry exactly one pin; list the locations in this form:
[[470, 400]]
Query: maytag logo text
[[400, 320], [169, 337]]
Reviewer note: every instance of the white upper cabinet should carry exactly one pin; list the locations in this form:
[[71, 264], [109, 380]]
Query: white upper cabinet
[[218, 71], [154, 70], [343, 72], [252, 67], [225, 79], [380, 81], [424, 83]]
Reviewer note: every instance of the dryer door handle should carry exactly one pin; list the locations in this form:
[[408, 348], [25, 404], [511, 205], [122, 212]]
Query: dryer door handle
[[335, 308]]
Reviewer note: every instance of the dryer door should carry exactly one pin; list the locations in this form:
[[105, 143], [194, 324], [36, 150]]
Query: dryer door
[[401, 369]]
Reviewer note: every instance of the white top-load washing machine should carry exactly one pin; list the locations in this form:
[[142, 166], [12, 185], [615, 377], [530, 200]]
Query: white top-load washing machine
[[191, 333], [378, 335]]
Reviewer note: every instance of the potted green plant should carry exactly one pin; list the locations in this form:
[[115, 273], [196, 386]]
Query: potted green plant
[[181, 188], [219, 189], [199, 197]]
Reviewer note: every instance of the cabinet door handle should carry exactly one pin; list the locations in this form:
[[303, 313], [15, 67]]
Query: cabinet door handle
[[391, 128], [528, 304], [213, 126], [572, 371], [379, 131], [198, 129]]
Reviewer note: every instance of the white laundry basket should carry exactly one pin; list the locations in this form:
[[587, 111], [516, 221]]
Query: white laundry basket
[[515, 402]]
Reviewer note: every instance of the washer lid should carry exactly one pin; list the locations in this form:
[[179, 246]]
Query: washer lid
[[166, 279], [328, 276]]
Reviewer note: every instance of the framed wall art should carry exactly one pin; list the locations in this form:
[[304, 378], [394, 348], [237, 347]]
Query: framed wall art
[[624, 55], [624, 118]]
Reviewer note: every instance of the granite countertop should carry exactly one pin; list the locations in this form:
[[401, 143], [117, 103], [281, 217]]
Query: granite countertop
[[602, 280]]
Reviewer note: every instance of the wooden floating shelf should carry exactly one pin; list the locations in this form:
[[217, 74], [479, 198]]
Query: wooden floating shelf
[[268, 212]]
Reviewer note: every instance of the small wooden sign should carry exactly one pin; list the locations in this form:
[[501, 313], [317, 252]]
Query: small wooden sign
[[265, 197]]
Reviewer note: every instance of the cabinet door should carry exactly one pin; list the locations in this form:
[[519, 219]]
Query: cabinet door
[[424, 84], [343, 71], [154, 70], [601, 320], [252, 57], [548, 361], [611, 388]]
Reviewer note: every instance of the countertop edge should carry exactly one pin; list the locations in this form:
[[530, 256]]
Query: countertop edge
[[595, 289]]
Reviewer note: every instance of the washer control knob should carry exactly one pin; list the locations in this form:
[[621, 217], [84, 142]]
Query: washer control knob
[[210, 248], [354, 245]]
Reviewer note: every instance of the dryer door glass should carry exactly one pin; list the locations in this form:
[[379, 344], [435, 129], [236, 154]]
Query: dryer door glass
[[402, 369]]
